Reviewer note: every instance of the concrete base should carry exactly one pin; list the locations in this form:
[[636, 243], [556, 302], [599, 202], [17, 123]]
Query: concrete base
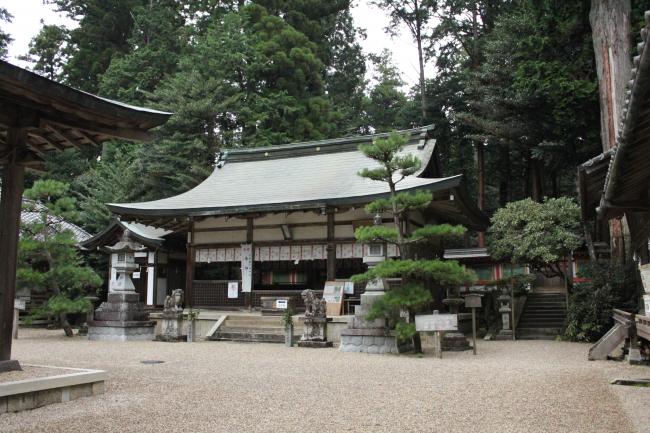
[[72, 384], [454, 342], [144, 332], [10, 365], [371, 341], [634, 357], [315, 344]]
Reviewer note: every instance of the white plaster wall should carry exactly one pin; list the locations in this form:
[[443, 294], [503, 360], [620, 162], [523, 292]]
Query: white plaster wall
[[228, 237]]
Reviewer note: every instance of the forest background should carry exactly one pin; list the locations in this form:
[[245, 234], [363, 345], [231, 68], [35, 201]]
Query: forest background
[[513, 93]]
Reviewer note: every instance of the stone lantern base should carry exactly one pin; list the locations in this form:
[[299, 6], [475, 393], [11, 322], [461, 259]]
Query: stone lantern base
[[121, 318]]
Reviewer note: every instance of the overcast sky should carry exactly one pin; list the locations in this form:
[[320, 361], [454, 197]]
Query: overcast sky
[[28, 14]]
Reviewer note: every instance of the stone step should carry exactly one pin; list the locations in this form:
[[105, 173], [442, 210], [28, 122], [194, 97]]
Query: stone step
[[251, 323], [549, 333], [263, 329], [253, 337], [540, 325], [542, 314]]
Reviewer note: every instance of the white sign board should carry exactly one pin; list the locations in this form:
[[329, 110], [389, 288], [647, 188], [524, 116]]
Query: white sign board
[[281, 304], [19, 304], [348, 288], [246, 267], [136, 275], [436, 322], [233, 289]]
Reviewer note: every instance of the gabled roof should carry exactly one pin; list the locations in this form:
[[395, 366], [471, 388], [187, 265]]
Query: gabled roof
[[628, 177], [151, 237], [304, 176], [33, 215]]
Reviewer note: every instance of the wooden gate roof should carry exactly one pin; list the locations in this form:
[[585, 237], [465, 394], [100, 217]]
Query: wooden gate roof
[[58, 117]]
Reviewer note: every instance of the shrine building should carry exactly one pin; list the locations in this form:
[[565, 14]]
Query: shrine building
[[281, 219]]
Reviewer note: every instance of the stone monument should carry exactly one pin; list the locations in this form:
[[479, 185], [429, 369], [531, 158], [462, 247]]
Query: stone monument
[[454, 341], [506, 310], [122, 316], [314, 332], [171, 324]]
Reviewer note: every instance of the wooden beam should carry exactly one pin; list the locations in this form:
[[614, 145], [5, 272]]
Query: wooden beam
[[95, 128], [41, 135], [87, 137], [10, 207], [64, 135], [331, 245]]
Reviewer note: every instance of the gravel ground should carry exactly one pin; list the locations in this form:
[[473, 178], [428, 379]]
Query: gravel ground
[[523, 386], [31, 372]]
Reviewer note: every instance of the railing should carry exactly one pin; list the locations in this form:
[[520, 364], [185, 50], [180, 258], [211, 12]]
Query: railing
[[214, 293]]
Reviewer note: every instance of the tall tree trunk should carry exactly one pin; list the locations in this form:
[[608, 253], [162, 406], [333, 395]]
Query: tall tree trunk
[[610, 24], [535, 179], [418, 38], [504, 183], [480, 175]]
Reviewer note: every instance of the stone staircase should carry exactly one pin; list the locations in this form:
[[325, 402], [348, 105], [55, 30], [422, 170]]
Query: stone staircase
[[254, 329], [543, 316]]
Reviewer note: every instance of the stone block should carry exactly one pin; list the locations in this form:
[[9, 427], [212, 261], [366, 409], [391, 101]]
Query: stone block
[[47, 396], [81, 391], [373, 349], [3, 405], [368, 341], [123, 297], [20, 402], [65, 394]]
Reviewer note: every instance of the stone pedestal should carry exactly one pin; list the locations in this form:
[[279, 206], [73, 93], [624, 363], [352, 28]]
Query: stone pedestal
[[454, 341], [121, 318], [372, 336], [171, 327], [314, 333]]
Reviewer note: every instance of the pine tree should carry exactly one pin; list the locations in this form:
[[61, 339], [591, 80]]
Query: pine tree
[[393, 167], [48, 258], [48, 51], [5, 38]]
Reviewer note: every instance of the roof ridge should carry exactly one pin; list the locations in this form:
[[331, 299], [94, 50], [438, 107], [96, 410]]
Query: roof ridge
[[340, 144]]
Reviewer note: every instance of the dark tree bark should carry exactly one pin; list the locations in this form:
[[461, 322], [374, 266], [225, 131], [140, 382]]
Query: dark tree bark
[[610, 24]]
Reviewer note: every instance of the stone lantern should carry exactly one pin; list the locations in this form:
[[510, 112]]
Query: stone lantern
[[122, 316], [505, 309], [454, 340]]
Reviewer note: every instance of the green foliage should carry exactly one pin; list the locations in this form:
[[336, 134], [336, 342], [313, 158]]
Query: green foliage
[[5, 38], [48, 260], [412, 297], [287, 317], [47, 50], [437, 231], [388, 152], [375, 233], [447, 272], [537, 234], [607, 286]]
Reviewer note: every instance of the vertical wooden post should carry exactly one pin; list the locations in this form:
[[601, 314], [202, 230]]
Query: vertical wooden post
[[249, 240], [474, 330], [10, 207], [189, 266], [331, 246]]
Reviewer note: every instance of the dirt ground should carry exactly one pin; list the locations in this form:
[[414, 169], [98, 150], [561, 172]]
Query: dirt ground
[[522, 386]]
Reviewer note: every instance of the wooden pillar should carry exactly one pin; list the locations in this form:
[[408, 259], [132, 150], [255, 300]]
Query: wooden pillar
[[10, 206], [331, 246], [249, 240], [189, 266]]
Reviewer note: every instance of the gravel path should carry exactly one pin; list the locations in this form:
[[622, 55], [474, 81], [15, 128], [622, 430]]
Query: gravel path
[[523, 386]]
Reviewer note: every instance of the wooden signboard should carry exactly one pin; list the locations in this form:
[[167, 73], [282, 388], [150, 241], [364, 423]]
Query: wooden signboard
[[436, 322], [645, 276], [333, 294]]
